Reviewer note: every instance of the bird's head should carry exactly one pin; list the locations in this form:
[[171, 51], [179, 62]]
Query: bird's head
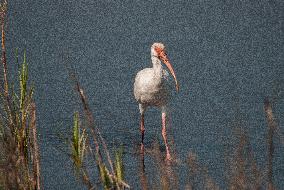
[[158, 50]]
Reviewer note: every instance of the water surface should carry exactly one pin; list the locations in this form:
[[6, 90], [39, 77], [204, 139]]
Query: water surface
[[228, 56]]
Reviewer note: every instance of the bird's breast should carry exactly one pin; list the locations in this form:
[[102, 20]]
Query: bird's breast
[[150, 88]]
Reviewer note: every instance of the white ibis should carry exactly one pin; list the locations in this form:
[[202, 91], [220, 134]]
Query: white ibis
[[150, 89]]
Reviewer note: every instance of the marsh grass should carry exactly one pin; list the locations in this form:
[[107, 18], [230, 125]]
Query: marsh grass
[[242, 170], [19, 158], [272, 127], [19, 136], [198, 177], [166, 172], [119, 166], [87, 140], [78, 142]]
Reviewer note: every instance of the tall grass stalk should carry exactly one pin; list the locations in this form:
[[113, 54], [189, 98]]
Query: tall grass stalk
[[271, 130], [35, 149], [111, 177]]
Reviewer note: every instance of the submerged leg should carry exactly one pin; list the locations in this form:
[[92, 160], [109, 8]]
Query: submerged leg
[[164, 134], [142, 128]]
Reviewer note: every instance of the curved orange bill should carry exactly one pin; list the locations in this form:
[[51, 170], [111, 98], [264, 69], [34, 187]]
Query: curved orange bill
[[165, 59]]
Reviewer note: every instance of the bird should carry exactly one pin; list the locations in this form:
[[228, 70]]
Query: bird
[[151, 88]]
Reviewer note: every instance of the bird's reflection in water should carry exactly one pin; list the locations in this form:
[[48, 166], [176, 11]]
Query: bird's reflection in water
[[157, 171], [142, 174]]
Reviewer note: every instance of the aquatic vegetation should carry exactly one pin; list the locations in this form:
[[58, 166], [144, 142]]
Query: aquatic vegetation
[[78, 142], [272, 128], [119, 166], [82, 143], [95, 165], [19, 158]]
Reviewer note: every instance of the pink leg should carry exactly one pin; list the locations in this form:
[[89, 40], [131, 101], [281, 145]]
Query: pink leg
[[142, 129], [164, 133]]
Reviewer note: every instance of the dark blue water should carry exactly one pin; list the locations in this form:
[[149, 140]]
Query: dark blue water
[[228, 56]]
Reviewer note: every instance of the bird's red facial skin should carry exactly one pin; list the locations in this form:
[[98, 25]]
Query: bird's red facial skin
[[163, 56], [158, 50]]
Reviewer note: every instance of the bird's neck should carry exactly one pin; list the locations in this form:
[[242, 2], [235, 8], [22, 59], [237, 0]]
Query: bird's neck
[[157, 66]]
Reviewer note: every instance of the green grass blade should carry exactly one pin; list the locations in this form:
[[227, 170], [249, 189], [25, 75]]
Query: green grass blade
[[119, 164]]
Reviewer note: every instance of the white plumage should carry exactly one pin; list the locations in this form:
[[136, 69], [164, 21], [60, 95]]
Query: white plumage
[[151, 89]]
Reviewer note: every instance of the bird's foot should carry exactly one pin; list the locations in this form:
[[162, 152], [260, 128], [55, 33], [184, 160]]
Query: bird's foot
[[168, 158]]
